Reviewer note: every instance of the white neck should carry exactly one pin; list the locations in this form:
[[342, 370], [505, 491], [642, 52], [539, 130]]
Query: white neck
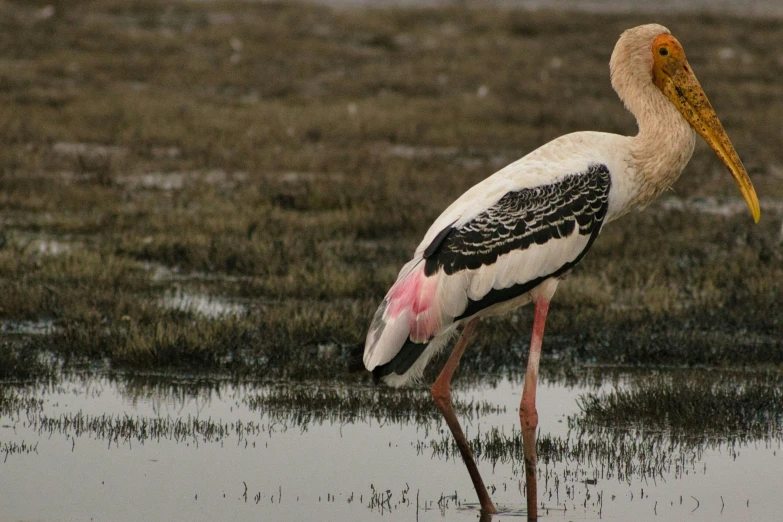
[[665, 141], [662, 148]]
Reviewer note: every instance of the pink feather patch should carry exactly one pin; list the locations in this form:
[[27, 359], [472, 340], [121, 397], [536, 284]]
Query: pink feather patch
[[415, 295]]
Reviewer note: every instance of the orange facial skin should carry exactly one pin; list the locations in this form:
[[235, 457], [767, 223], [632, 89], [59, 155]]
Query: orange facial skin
[[672, 74]]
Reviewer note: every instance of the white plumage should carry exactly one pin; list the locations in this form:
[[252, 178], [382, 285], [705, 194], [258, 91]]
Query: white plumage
[[508, 240], [568, 155], [640, 168]]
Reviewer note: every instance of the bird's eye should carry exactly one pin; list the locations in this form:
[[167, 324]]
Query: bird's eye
[[663, 51]]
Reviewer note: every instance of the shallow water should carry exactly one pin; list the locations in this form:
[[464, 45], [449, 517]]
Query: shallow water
[[111, 448]]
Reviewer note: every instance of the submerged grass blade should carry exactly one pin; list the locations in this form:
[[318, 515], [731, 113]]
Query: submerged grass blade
[[690, 404], [647, 428], [303, 405]]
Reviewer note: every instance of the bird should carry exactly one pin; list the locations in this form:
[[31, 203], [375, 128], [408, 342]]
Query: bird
[[509, 240]]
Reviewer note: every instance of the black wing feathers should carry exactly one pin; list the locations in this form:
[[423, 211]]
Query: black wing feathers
[[519, 219], [403, 361], [522, 218], [437, 241]]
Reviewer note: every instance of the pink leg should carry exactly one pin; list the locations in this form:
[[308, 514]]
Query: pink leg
[[441, 392], [528, 416]]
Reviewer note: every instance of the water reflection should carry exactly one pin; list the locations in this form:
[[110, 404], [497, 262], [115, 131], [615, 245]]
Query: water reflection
[[610, 443]]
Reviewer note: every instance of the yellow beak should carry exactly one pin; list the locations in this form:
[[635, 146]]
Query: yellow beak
[[673, 76]]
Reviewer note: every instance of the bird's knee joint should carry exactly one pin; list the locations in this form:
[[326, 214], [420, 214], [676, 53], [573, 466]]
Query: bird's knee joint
[[528, 416], [441, 396]]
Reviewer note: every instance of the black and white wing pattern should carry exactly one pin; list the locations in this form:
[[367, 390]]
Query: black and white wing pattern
[[526, 237], [502, 252]]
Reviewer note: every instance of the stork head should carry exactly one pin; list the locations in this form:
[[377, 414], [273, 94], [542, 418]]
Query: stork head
[[649, 62]]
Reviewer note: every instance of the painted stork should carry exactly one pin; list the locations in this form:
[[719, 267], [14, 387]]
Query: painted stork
[[510, 239]]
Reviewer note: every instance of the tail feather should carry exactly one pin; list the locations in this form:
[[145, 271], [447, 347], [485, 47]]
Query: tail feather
[[401, 362], [385, 337], [419, 359], [404, 325]]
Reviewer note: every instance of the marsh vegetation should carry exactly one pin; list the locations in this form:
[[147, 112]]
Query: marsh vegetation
[[282, 161], [211, 198]]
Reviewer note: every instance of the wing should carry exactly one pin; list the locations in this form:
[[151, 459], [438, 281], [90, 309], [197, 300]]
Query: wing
[[503, 252], [526, 237]]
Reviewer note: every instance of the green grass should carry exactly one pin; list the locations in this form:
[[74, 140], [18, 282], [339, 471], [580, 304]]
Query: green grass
[[290, 158]]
